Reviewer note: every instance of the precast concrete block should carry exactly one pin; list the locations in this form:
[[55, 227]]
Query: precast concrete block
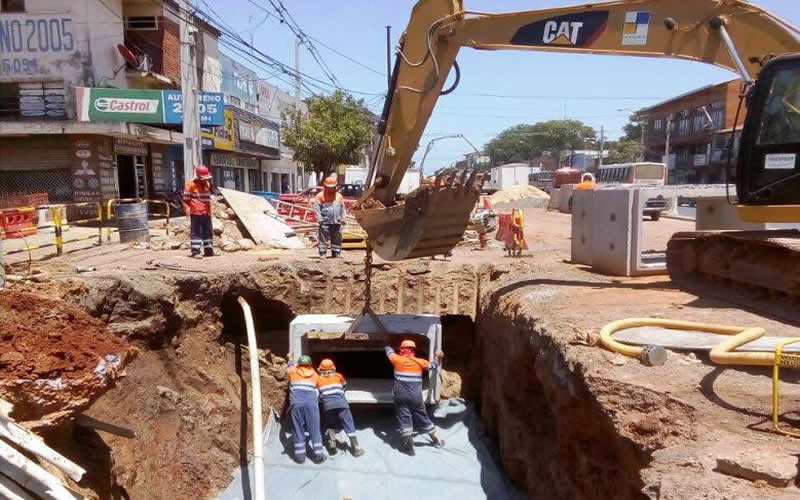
[[611, 236], [555, 196], [356, 354], [582, 227], [565, 194]]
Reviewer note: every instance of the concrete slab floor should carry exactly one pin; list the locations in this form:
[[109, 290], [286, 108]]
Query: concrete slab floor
[[463, 469]]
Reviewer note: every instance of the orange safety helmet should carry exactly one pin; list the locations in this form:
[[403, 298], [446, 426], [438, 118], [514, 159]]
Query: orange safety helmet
[[408, 344], [326, 365], [329, 182], [202, 173]]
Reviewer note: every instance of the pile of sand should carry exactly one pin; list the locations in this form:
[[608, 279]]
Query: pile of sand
[[518, 192]]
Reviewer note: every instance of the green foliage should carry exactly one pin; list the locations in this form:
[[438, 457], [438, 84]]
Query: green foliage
[[524, 141], [334, 131], [633, 129], [623, 151]]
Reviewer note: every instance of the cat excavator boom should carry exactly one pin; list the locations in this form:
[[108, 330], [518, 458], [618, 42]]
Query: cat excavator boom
[[733, 34]]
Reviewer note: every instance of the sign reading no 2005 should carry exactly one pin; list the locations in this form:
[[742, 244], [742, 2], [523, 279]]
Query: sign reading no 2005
[[27, 43]]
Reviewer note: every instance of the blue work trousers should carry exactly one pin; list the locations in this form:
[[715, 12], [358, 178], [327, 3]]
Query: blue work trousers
[[305, 418], [340, 418]]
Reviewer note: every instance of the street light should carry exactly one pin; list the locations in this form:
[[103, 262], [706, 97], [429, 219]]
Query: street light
[[430, 146]]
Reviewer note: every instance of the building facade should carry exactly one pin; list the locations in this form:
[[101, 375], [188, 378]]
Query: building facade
[[54, 139], [696, 130]]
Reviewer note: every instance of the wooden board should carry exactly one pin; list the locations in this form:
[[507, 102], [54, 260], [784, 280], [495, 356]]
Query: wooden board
[[266, 230], [687, 340]]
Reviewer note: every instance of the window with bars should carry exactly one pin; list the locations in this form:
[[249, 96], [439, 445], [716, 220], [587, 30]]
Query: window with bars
[[683, 126], [12, 5], [141, 23]]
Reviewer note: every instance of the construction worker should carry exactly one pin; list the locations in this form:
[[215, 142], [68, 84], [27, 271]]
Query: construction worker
[[197, 204], [304, 408], [407, 392], [331, 387], [329, 209], [587, 183]]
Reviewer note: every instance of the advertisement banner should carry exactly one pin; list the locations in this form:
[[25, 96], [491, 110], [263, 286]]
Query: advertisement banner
[[144, 106], [220, 137]]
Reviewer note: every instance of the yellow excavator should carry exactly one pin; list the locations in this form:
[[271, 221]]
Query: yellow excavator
[[734, 34]]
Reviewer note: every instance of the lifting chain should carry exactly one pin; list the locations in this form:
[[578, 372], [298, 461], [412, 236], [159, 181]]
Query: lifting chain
[[368, 276]]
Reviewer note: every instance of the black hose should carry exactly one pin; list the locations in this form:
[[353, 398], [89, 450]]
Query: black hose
[[455, 83]]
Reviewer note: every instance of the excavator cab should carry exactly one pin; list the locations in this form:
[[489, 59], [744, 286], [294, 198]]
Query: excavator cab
[[768, 170]]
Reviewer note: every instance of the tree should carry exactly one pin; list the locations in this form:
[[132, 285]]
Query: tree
[[623, 151], [333, 132], [633, 129], [522, 142]]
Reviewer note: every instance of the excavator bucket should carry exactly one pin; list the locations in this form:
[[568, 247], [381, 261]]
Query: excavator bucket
[[431, 221]]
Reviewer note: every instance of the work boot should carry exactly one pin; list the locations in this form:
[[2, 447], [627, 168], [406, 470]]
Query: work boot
[[437, 441], [407, 445], [300, 459], [355, 449], [318, 459], [197, 256], [330, 441]]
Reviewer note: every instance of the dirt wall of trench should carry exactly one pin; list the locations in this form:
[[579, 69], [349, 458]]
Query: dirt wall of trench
[[184, 394]]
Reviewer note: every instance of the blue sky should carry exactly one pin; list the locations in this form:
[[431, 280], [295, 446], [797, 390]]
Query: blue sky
[[357, 29]]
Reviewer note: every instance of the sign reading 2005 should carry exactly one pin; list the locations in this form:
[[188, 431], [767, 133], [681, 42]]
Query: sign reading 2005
[[30, 44]]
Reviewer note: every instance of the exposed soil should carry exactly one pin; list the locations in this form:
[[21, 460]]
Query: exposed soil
[[569, 419], [55, 360]]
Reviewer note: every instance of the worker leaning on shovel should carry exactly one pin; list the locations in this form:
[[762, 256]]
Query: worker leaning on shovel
[[197, 204], [329, 209], [407, 392]]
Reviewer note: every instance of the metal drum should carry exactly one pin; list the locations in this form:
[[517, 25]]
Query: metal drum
[[132, 222]]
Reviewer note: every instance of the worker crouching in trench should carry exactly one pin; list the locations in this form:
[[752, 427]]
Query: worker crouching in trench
[[329, 210]]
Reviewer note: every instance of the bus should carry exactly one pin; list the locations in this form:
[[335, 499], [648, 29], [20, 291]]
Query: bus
[[651, 174], [639, 174]]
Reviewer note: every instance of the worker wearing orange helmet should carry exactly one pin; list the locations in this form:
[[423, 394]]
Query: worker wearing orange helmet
[[407, 391], [329, 209], [197, 205], [332, 386]]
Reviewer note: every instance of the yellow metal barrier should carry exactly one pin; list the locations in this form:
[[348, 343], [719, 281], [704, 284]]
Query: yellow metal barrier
[[114, 201], [58, 224], [782, 361]]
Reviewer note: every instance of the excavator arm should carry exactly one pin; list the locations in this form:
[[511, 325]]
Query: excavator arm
[[729, 33]]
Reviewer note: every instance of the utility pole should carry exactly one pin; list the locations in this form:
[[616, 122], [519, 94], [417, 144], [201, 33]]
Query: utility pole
[[602, 144], [388, 57], [666, 145], [297, 81], [192, 147], [641, 139]]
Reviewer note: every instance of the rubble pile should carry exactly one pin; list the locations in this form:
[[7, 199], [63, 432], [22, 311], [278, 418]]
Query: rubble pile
[[55, 359], [518, 192], [229, 233]]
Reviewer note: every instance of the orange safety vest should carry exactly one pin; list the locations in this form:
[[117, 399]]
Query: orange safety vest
[[302, 384], [331, 390], [198, 197]]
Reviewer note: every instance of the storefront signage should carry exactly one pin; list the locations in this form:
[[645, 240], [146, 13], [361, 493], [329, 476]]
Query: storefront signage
[[222, 159], [144, 106], [263, 136], [220, 137], [130, 147], [84, 169], [32, 45], [244, 162]]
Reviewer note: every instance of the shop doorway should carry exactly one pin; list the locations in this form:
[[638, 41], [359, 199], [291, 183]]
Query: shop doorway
[[132, 176]]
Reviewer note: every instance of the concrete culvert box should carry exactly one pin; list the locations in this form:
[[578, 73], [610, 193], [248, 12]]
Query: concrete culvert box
[[360, 357]]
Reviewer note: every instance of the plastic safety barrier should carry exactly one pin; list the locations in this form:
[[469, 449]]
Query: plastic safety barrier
[[59, 222]]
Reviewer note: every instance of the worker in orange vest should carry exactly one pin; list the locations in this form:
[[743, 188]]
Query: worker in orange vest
[[329, 209], [304, 408], [197, 205], [332, 386], [587, 183], [407, 391]]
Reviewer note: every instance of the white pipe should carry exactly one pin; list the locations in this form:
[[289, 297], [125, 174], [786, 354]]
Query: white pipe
[[11, 490], [30, 476], [255, 383], [35, 445]]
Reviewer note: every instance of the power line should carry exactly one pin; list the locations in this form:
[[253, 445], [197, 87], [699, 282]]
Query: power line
[[586, 98], [347, 57]]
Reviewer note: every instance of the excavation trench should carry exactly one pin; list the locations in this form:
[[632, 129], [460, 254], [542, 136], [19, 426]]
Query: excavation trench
[[187, 394]]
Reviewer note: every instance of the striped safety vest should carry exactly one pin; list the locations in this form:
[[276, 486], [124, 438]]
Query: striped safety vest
[[331, 391], [302, 384], [198, 197], [408, 372]]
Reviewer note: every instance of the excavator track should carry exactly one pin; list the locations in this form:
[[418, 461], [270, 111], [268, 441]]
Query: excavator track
[[761, 261]]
